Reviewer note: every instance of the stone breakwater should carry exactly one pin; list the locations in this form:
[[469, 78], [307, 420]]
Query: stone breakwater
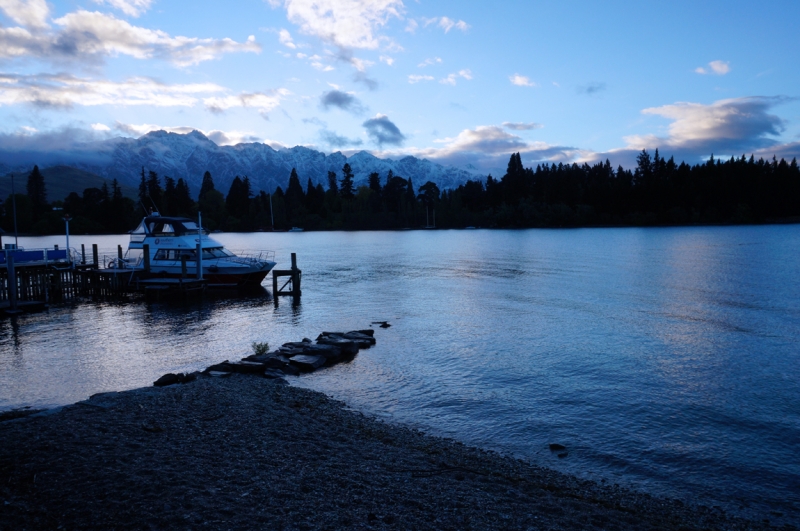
[[229, 449], [290, 359]]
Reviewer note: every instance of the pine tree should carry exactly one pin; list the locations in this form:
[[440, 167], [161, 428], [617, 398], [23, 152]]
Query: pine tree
[[143, 190], [346, 189], [333, 185], [37, 193], [207, 186]]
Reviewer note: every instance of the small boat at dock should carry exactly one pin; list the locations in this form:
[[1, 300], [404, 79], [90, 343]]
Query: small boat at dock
[[173, 244]]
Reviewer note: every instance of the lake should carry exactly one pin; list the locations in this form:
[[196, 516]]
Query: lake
[[665, 359]]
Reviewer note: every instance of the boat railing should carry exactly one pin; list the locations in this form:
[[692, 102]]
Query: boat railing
[[250, 256], [38, 257]]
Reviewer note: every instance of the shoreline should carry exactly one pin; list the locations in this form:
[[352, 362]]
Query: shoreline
[[250, 452]]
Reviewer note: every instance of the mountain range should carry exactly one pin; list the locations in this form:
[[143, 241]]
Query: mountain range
[[189, 156]]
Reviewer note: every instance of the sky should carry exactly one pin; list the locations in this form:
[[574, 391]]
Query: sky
[[459, 83]]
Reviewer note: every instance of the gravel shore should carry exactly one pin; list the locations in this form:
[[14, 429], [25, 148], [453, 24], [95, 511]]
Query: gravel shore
[[246, 452]]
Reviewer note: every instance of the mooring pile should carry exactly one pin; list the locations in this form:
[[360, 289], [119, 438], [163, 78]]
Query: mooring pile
[[290, 359]]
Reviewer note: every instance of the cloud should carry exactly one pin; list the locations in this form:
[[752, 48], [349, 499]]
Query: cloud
[[30, 13], [429, 62], [413, 78], [447, 23], [451, 79], [487, 148], [522, 81], [382, 131], [101, 127], [264, 101], [345, 23], [341, 100], [386, 59], [93, 35], [285, 38], [65, 90], [727, 125], [338, 141], [412, 25], [362, 77], [719, 68], [518, 126], [132, 8], [591, 89]]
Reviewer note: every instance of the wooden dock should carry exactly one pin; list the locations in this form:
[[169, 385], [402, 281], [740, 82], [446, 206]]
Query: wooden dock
[[31, 285]]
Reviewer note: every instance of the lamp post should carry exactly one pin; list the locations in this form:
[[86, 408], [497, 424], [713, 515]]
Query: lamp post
[[66, 221], [14, 203]]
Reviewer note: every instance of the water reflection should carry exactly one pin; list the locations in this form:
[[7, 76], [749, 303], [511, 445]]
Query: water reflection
[[662, 357]]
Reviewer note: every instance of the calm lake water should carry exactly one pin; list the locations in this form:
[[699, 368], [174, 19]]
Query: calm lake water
[[664, 359]]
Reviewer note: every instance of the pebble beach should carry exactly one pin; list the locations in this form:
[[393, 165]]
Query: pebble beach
[[248, 452]]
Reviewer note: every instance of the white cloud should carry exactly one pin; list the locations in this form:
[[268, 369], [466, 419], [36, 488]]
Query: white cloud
[[101, 127], [132, 8], [85, 34], [522, 81], [430, 61], [519, 126], [264, 102], [452, 78], [345, 23], [386, 59], [447, 23], [64, 90], [30, 13], [286, 39], [416, 78], [412, 26], [719, 68], [488, 147]]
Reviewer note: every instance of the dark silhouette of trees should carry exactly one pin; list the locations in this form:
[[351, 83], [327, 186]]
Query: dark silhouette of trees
[[346, 188], [37, 194], [657, 191]]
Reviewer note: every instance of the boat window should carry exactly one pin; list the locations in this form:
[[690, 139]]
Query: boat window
[[214, 252], [189, 225]]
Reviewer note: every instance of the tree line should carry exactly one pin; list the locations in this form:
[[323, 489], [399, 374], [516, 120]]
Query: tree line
[[656, 192]]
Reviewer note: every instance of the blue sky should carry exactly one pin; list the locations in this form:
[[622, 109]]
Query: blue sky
[[463, 83]]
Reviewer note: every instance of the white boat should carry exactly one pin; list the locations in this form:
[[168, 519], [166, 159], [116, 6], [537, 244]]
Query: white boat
[[173, 241]]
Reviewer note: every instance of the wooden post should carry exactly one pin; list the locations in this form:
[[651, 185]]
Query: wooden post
[[83, 254], [183, 266], [275, 285], [12, 284], [119, 252], [55, 247], [295, 276], [95, 256], [146, 250], [198, 260]]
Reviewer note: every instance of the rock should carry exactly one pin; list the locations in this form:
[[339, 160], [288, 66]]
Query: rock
[[358, 336], [562, 455], [332, 353], [290, 370], [348, 346], [368, 332], [384, 324], [306, 340], [274, 373], [554, 447], [217, 374], [307, 363], [245, 367], [168, 379]]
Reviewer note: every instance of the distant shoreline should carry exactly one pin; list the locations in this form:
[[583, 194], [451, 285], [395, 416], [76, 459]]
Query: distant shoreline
[[247, 452]]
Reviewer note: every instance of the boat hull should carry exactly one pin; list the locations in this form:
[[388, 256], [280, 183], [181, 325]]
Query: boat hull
[[233, 277]]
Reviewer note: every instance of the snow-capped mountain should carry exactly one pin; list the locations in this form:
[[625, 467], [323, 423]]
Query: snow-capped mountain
[[189, 156]]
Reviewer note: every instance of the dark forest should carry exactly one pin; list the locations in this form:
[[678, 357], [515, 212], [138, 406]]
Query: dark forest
[[657, 192]]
